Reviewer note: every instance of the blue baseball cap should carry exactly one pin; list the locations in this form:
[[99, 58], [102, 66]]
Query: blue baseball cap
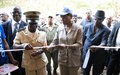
[[66, 11]]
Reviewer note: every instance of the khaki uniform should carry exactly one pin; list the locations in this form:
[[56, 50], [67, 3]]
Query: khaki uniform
[[50, 31], [69, 58], [53, 53], [36, 39]]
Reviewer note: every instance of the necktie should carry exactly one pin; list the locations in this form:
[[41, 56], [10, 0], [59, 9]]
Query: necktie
[[15, 29]]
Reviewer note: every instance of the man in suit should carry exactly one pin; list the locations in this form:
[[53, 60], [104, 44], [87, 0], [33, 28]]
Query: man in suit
[[10, 29], [114, 41], [95, 34]]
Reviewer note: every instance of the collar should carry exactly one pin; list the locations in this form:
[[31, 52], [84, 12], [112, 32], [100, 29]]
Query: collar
[[89, 20], [31, 35], [28, 32], [62, 27], [49, 26], [13, 22]]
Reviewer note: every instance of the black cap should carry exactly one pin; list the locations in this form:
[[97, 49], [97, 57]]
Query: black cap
[[100, 14]]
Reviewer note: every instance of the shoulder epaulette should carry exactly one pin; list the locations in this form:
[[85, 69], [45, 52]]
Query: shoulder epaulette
[[43, 25], [55, 23], [21, 29]]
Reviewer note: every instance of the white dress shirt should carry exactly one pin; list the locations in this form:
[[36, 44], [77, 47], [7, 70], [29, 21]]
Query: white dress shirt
[[13, 25]]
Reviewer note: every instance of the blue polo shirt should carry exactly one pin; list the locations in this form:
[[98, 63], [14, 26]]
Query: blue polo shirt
[[3, 56]]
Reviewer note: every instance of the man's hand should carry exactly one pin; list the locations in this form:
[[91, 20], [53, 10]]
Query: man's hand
[[28, 47], [93, 49], [45, 49], [15, 62], [36, 52]]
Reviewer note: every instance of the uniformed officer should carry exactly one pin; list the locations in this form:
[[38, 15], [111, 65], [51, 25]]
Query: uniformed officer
[[50, 29], [27, 38]]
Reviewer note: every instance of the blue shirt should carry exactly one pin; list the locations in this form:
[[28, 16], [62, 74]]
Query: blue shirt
[[86, 22], [3, 56]]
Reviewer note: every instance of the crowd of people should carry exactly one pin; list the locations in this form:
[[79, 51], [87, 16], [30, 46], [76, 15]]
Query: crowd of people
[[67, 42]]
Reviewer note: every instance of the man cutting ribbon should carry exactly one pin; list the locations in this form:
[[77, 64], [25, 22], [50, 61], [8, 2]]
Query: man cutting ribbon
[[27, 38], [95, 34]]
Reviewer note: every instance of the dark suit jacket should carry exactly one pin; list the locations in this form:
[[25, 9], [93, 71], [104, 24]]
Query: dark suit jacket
[[8, 31], [113, 35], [89, 38], [10, 37], [100, 37]]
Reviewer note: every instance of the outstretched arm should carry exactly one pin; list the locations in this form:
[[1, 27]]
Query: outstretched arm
[[6, 46]]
